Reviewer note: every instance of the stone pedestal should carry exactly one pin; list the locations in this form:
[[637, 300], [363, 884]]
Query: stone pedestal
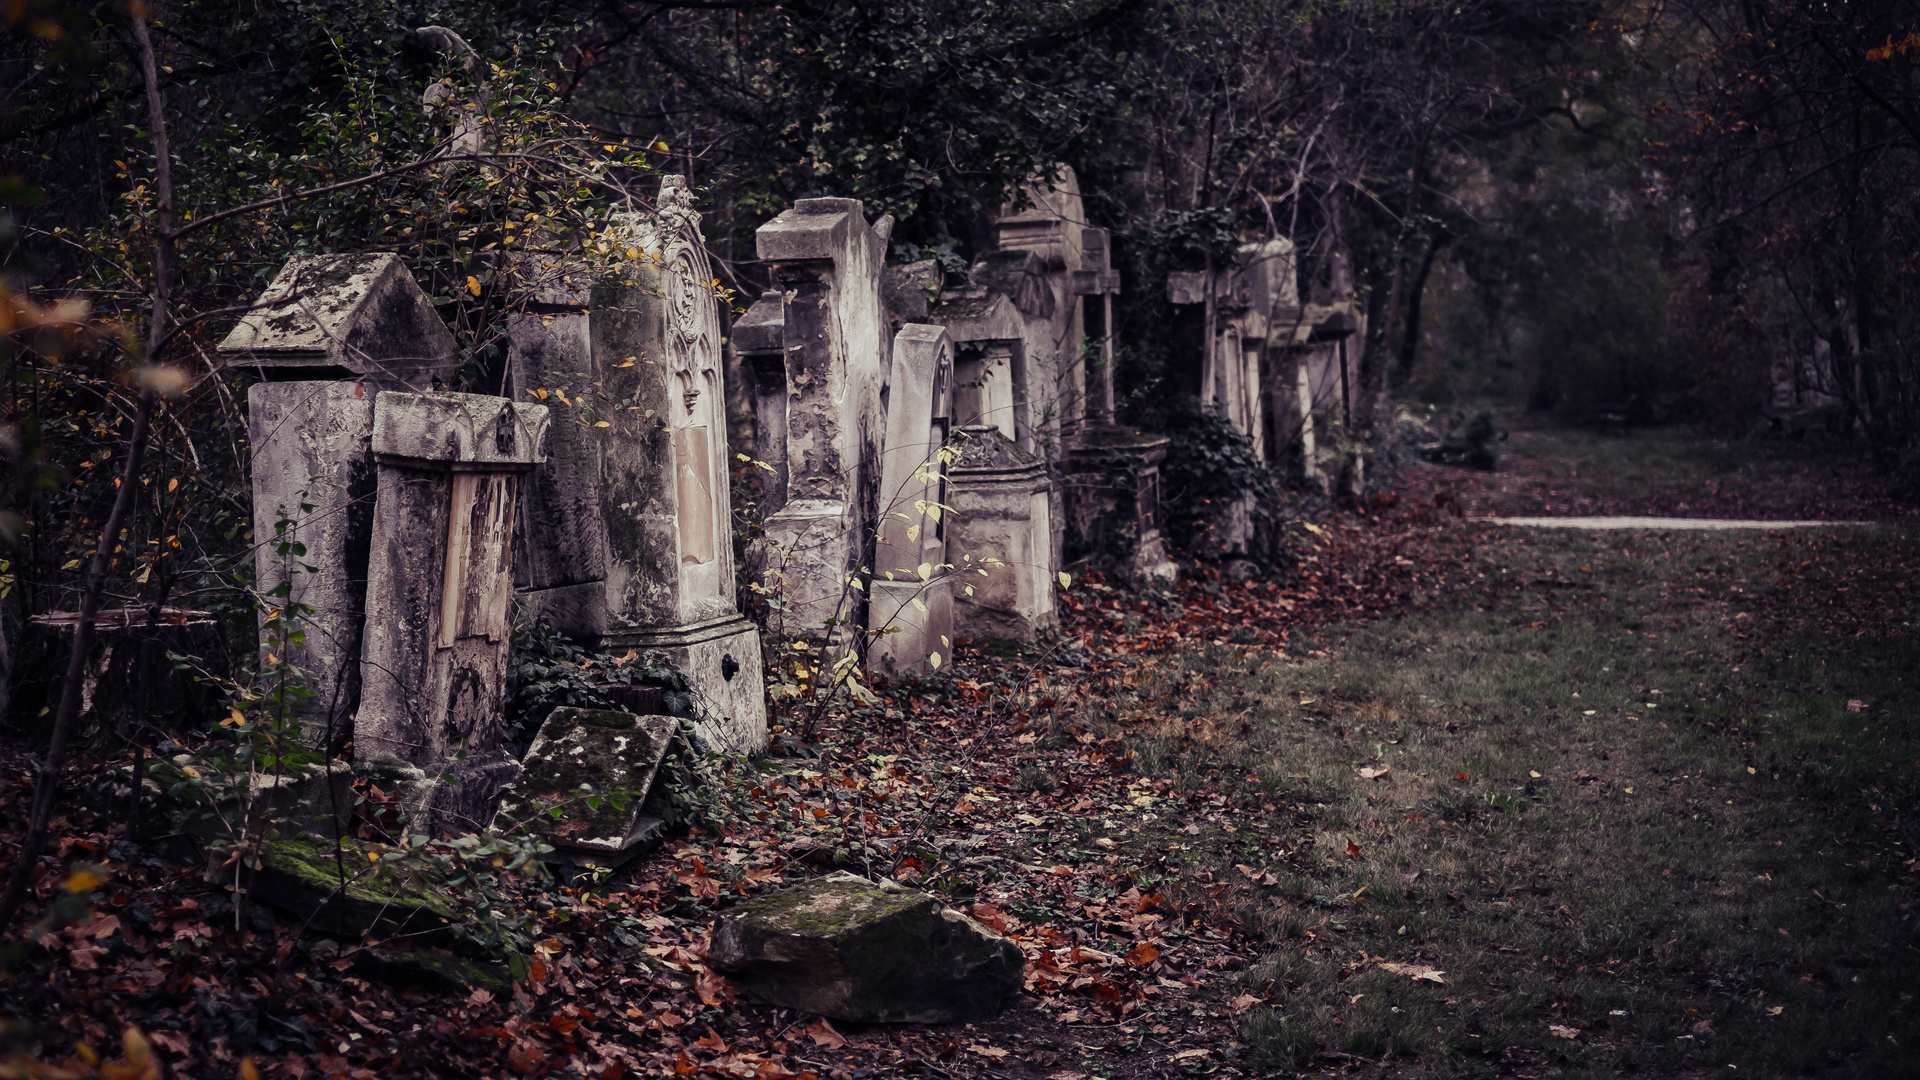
[[439, 594], [1003, 526], [911, 601], [1112, 481], [826, 263]]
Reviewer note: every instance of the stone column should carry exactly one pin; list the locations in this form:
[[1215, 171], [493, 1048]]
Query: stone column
[[560, 567], [439, 597], [328, 334], [911, 605], [664, 480], [1051, 228], [826, 263], [1003, 526]]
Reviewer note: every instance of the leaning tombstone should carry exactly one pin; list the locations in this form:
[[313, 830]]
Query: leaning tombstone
[[439, 594], [584, 784], [328, 334], [826, 263], [656, 340], [911, 606], [1000, 540]]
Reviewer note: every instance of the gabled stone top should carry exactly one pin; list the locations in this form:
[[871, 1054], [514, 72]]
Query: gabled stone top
[[333, 315], [459, 430], [983, 449], [763, 328]]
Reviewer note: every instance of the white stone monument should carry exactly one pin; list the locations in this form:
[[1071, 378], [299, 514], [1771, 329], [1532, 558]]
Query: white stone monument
[[911, 602], [1001, 539]]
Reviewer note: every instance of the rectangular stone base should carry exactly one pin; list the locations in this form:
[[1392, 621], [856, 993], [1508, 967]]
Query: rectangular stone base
[[455, 799], [808, 550], [911, 634], [721, 658]]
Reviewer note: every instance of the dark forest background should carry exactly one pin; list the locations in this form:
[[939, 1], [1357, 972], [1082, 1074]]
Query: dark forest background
[[1546, 203]]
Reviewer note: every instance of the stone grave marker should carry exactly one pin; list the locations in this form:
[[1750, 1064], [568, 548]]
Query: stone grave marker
[[911, 605], [656, 340], [439, 595], [826, 263], [1002, 523], [328, 334]]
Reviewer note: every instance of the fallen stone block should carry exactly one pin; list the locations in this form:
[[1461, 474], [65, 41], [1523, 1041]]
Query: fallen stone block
[[583, 783], [846, 948], [437, 972]]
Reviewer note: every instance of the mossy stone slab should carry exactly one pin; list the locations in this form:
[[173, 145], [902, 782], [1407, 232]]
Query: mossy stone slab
[[439, 972], [602, 754], [846, 948], [302, 877]]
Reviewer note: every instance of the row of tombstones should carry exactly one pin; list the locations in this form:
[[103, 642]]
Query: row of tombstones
[[933, 455]]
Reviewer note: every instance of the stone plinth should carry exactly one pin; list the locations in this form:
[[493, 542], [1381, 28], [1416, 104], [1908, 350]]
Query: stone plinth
[[439, 594], [313, 447], [345, 316], [1112, 481], [826, 263], [1002, 525], [911, 605]]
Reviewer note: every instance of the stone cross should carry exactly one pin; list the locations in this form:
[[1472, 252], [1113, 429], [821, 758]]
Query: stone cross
[[911, 605], [326, 336], [439, 597]]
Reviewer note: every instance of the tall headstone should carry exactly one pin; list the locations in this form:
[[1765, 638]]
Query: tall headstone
[[560, 567], [826, 263], [1001, 539], [911, 605], [1043, 243], [440, 595], [656, 344], [327, 335]]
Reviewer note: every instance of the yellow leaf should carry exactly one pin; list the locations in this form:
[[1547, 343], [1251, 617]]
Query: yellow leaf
[[234, 717], [919, 605], [1066, 580], [173, 484], [85, 879], [933, 660], [925, 571], [473, 285]]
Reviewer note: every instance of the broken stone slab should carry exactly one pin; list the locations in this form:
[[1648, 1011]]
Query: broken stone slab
[[846, 948], [584, 780]]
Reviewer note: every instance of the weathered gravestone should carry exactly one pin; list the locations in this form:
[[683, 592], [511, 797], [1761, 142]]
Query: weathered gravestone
[[1042, 254], [911, 604], [826, 264], [848, 949], [656, 338], [629, 540], [990, 360], [439, 595], [1000, 540], [594, 767], [328, 334]]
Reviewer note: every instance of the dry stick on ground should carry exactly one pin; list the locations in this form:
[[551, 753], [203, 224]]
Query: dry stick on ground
[[48, 782]]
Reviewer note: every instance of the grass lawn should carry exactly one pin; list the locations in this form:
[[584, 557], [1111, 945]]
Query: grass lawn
[[1646, 801]]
